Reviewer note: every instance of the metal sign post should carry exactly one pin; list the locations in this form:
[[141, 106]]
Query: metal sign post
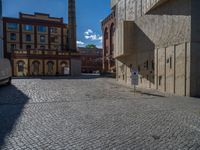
[[134, 78]]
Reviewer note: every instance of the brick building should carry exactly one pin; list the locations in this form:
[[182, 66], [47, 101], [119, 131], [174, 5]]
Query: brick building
[[108, 29], [39, 44], [91, 59], [159, 39]]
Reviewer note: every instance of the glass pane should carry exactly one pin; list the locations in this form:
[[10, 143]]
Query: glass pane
[[28, 27], [42, 28], [12, 25]]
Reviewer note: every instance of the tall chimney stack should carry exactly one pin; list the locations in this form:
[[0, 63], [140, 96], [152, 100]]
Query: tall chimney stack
[[72, 25]]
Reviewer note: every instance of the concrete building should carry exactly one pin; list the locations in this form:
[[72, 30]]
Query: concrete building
[[108, 29], [1, 31], [160, 39], [91, 59], [39, 44]]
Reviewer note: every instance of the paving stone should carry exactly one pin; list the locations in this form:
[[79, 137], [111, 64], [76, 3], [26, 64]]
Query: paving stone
[[96, 113]]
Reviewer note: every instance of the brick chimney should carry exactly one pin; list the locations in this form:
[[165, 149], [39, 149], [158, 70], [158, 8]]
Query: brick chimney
[[72, 24]]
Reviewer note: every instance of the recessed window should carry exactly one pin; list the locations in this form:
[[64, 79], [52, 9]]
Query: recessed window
[[53, 30], [152, 65], [159, 80], [42, 28], [28, 37], [28, 46], [42, 47], [21, 66], [13, 36], [42, 38], [12, 26], [28, 27], [13, 46], [53, 39], [170, 61]]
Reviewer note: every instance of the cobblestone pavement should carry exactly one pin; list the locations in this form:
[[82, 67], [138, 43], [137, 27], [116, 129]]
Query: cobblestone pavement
[[94, 114]]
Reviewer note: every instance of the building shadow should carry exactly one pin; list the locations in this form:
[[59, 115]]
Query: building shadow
[[80, 77], [141, 58], [171, 7], [12, 102]]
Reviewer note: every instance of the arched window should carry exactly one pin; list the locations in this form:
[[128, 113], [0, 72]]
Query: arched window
[[20, 65], [36, 67], [50, 65]]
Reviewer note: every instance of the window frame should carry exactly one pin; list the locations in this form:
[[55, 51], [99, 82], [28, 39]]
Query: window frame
[[10, 25]]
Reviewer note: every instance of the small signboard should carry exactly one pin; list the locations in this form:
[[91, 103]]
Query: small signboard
[[66, 70], [135, 77]]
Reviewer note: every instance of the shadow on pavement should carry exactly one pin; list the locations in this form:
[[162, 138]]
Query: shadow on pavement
[[81, 77], [12, 102]]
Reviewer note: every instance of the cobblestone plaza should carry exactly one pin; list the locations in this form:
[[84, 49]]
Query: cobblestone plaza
[[94, 113]]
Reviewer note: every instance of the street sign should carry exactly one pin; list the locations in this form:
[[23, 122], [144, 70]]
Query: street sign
[[135, 77]]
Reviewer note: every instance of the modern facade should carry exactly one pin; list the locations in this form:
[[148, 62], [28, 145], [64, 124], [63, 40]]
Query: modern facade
[[91, 59], [108, 29], [159, 39]]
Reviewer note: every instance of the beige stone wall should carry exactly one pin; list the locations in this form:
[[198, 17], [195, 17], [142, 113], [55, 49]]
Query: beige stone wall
[[160, 40]]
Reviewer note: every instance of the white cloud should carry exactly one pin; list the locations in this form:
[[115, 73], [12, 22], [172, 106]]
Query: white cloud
[[80, 43], [88, 32], [91, 35]]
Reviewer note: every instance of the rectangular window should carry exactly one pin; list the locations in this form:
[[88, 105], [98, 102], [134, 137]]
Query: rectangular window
[[42, 38], [13, 46], [28, 37], [152, 65], [28, 27], [160, 80], [28, 46], [42, 28], [53, 30], [42, 47], [13, 36], [12, 26], [170, 61]]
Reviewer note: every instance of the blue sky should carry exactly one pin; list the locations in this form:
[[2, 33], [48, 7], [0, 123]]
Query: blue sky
[[89, 15]]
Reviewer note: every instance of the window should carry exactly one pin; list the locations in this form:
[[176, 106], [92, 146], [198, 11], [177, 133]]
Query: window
[[13, 36], [53, 30], [28, 46], [28, 37], [12, 26], [21, 66], [42, 47], [152, 65], [42, 28], [170, 61], [28, 27], [13, 46], [147, 64], [42, 38], [160, 80], [53, 39], [50, 67]]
